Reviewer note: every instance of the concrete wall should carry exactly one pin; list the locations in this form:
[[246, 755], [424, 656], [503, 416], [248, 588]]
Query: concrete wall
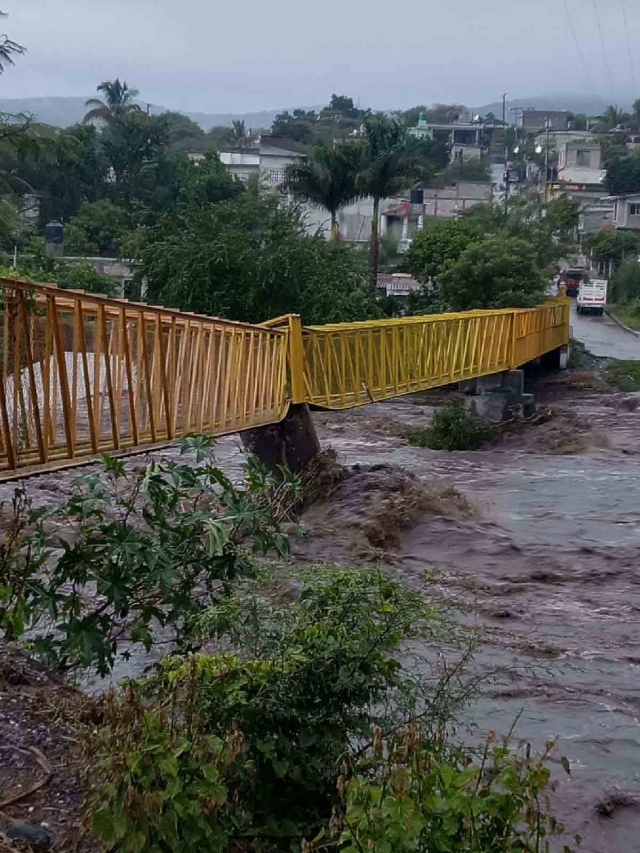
[[354, 220], [622, 216]]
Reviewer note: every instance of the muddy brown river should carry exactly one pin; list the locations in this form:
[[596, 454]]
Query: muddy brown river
[[546, 567]]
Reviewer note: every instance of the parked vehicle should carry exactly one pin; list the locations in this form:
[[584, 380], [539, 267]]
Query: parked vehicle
[[592, 296], [571, 278]]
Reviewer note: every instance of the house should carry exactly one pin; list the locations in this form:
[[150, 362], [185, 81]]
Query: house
[[422, 130], [580, 161], [465, 137], [579, 175], [398, 284], [626, 214], [448, 202], [534, 120], [267, 159]]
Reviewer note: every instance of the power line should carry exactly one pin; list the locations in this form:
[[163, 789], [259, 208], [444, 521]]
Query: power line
[[604, 49], [576, 42], [629, 51]]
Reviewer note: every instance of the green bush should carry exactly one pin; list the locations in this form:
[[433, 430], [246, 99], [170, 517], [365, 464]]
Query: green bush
[[321, 726], [132, 551], [624, 375], [453, 428], [625, 286], [411, 795], [302, 683]]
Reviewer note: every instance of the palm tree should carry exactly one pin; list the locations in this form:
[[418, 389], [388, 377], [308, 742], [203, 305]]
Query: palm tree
[[327, 178], [238, 133], [118, 102], [611, 118], [9, 49], [388, 168]]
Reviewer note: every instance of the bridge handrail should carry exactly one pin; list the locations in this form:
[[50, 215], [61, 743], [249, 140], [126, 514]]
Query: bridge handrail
[[82, 373]]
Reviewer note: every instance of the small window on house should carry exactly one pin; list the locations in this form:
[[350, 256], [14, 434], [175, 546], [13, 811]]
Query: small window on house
[[277, 176], [634, 210], [583, 158]]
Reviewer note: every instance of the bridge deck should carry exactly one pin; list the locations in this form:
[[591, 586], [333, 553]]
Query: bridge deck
[[82, 374]]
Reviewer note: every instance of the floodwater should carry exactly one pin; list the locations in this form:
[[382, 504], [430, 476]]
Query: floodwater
[[547, 568], [550, 571]]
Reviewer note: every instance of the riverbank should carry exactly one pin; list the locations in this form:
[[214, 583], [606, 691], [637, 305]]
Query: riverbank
[[535, 538]]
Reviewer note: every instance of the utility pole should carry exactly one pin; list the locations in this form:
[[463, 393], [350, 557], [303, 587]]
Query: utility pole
[[546, 160], [506, 152]]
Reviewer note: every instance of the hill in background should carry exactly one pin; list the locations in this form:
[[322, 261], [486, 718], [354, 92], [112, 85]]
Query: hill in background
[[62, 112], [574, 103]]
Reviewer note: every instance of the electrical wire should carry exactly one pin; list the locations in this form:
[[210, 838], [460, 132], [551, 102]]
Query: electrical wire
[[576, 42], [629, 51], [604, 50]]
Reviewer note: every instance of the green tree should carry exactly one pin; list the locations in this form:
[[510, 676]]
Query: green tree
[[183, 134], [83, 276], [328, 179], [612, 248], [294, 127], [239, 133], [388, 167], [625, 286], [247, 257], [495, 272], [612, 118], [623, 175], [476, 169], [118, 102], [219, 138], [98, 229], [440, 244], [69, 169], [136, 148]]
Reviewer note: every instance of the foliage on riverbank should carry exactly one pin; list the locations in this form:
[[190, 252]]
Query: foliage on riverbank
[[316, 717]]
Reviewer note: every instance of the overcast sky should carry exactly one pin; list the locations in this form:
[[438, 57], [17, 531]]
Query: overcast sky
[[224, 56]]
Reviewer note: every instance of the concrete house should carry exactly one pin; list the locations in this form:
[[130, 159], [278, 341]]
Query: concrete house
[[534, 120], [267, 159], [626, 212]]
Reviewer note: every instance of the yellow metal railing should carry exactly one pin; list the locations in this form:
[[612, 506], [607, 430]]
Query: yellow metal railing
[[350, 364], [82, 374]]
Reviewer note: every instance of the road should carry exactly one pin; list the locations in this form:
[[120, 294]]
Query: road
[[603, 337]]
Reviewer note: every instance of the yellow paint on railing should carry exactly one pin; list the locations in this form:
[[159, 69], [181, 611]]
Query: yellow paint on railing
[[82, 374], [351, 364]]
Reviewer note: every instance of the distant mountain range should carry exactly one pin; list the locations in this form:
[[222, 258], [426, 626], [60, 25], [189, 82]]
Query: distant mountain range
[[573, 103], [62, 112]]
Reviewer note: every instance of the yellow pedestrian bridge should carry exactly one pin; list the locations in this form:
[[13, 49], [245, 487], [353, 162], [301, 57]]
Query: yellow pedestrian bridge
[[82, 374]]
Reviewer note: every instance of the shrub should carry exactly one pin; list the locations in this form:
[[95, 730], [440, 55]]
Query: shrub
[[22, 555], [625, 286], [302, 683], [453, 428], [134, 551], [412, 795], [310, 725], [624, 375]]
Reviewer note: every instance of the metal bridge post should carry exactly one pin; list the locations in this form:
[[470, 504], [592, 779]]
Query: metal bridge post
[[296, 359], [292, 443]]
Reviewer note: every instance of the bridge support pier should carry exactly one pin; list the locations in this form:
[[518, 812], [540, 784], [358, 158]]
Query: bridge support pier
[[292, 443], [497, 396]]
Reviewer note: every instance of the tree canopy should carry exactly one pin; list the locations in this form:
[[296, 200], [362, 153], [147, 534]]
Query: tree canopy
[[118, 102]]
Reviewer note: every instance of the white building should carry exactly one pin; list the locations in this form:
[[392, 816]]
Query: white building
[[267, 160], [626, 211]]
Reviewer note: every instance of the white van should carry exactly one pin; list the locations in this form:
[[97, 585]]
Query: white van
[[592, 296]]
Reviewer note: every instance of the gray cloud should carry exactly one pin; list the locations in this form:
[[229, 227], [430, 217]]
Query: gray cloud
[[236, 56]]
